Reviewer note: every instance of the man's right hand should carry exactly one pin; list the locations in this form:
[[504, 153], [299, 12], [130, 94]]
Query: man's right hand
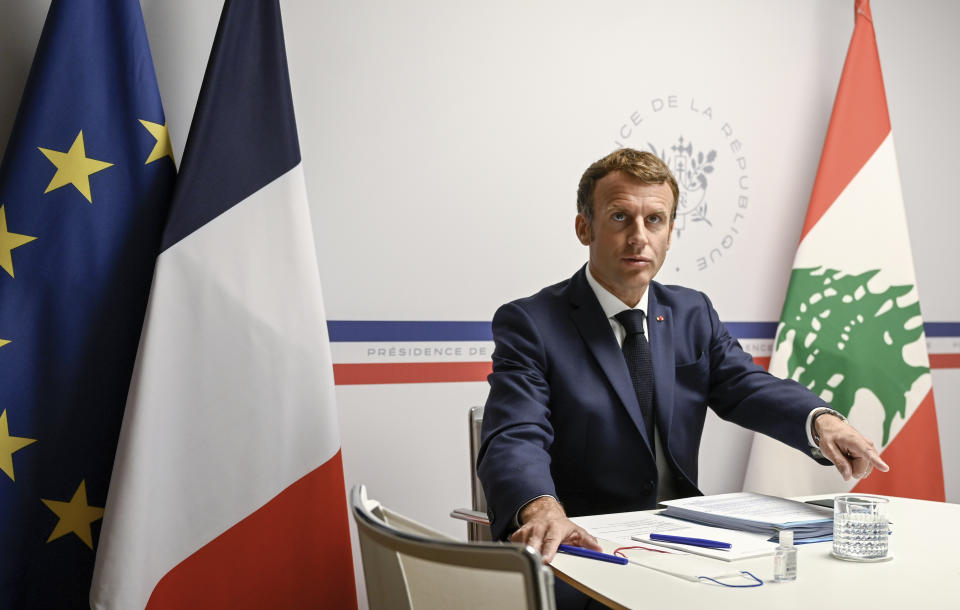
[[545, 526]]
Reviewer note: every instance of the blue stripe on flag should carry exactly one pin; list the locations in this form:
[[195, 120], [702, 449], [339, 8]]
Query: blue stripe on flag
[[238, 152]]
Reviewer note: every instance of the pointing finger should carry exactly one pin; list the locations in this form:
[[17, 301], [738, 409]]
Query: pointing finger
[[876, 461]]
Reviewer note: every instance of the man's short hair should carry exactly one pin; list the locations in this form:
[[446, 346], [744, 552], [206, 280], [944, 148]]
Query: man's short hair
[[640, 164]]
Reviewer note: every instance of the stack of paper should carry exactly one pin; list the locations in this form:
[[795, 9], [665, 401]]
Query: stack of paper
[[752, 512], [626, 529]]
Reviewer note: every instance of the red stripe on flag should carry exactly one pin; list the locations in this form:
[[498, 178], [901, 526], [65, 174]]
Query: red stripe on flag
[[411, 372], [859, 121], [294, 552], [916, 466]]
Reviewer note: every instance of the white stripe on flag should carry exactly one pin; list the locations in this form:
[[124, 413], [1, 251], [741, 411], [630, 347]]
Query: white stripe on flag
[[868, 212], [232, 398]]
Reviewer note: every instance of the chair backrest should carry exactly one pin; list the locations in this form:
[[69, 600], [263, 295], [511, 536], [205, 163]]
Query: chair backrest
[[475, 531], [409, 566]]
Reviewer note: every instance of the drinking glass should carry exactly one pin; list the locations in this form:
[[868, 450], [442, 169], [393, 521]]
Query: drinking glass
[[861, 528]]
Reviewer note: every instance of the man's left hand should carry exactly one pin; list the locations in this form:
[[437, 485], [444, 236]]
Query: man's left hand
[[853, 454]]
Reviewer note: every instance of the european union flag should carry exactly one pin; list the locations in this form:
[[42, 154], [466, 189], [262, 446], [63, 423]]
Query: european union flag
[[84, 191]]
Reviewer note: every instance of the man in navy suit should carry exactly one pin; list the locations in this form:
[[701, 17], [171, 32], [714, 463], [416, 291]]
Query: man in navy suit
[[563, 432]]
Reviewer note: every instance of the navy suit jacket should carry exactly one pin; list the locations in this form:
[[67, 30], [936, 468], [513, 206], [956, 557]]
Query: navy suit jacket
[[562, 417]]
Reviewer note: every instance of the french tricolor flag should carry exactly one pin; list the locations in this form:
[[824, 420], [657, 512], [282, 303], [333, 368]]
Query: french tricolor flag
[[227, 489]]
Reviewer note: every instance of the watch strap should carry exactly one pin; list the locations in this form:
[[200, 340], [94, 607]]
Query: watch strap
[[813, 422]]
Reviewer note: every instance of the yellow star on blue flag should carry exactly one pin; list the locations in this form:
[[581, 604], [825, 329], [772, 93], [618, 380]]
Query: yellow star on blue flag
[[9, 445], [75, 516], [163, 147], [73, 167], [9, 241]]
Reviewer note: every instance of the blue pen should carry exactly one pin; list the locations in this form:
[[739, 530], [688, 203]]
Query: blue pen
[[701, 542], [582, 552]]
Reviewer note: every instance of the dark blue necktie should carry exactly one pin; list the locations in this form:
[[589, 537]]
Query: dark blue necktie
[[636, 351]]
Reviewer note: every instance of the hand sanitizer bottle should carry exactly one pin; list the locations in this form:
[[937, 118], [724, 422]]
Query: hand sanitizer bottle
[[785, 561]]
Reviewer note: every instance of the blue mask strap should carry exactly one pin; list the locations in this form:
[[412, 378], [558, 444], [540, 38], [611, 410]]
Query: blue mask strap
[[756, 581]]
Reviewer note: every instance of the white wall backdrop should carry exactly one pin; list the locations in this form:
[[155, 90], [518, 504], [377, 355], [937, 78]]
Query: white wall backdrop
[[443, 142]]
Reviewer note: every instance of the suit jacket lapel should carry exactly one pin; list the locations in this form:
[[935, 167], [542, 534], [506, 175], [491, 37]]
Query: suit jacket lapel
[[595, 330], [660, 330]]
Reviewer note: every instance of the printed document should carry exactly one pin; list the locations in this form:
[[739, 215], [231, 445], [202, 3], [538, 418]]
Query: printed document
[[629, 529]]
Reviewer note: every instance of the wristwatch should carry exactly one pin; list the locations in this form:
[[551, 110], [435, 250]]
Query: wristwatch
[[813, 422]]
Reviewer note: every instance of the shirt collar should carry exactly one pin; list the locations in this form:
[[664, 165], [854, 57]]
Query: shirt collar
[[609, 302]]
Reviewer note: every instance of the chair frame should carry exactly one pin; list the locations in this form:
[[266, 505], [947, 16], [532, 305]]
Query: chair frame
[[478, 524], [503, 557]]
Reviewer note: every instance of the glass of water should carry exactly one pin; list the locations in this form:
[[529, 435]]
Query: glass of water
[[861, 528]]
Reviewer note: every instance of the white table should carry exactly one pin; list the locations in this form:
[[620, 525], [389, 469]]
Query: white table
[[923, 574]]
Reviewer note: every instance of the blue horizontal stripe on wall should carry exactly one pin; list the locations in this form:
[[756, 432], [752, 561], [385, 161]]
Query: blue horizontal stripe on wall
[[942, 329], [342, 331], [380, 330], [752, 330]]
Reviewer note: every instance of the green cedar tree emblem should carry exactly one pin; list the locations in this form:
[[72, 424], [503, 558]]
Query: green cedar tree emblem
[[847, 338]]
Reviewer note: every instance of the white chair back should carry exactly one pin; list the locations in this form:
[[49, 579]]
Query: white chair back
[[409, 566]]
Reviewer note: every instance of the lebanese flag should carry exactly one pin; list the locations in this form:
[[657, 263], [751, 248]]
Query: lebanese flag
[[227, 488], [851, 328]]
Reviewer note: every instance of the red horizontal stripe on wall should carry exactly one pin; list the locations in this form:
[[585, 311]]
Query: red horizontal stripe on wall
[[410, 372], [452, 372], [945, 361], [937, 361]]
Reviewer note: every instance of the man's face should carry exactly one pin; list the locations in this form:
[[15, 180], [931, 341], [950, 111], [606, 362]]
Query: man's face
[[630, 234]]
